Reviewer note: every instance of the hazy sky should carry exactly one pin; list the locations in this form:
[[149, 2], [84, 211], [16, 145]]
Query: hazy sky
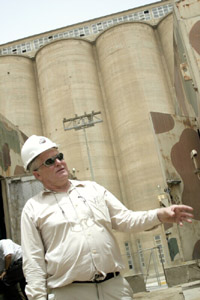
[[22, 18]]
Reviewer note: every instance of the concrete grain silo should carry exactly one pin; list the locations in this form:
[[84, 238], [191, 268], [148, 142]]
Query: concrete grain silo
[[18, 93], [69, 85], [134, 84], [165, 37]]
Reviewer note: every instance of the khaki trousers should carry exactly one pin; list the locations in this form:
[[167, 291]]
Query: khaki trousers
[[116, 288]]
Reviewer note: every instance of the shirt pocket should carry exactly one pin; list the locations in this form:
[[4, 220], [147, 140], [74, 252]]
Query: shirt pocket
[[99, 209]]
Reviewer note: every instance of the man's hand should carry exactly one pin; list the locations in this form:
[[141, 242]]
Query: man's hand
[[2, 275], [175, 214]]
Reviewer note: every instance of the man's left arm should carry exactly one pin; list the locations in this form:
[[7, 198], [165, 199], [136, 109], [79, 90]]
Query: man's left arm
[[124, 219]]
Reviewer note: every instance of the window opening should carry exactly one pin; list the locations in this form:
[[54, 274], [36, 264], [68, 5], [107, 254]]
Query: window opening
[[158, 242], [128, 255], [140, 251]]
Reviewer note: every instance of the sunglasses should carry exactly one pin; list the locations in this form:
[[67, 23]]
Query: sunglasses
[[50, 161]]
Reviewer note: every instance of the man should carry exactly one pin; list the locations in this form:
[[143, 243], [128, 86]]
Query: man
[[11, 270], [67, 240]]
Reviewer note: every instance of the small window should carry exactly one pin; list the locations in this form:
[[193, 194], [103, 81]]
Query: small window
[[140, 253], [158, 242], [128, 255]]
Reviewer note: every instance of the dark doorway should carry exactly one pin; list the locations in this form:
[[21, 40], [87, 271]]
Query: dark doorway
[[2, 221]]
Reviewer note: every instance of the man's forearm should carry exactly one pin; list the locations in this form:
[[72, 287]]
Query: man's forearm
[[8, 260]]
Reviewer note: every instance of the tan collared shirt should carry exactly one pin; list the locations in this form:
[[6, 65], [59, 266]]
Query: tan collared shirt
[[68, 237]]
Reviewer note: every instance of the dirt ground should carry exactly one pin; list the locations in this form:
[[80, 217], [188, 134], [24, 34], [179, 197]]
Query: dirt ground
[[175, 293]]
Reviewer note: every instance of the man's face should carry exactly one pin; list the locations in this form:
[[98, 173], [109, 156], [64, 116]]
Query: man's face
[[55, 176]]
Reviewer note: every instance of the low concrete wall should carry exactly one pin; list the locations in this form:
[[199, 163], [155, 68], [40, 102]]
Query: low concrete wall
[[184, 273], [137, 283]]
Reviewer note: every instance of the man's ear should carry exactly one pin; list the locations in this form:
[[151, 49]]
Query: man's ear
[[36, 174]]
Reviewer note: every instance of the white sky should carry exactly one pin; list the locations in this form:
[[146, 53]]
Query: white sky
[[22, 18]]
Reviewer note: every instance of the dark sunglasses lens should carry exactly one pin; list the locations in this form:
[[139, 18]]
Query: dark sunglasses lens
[[60, 156], [50, 161]]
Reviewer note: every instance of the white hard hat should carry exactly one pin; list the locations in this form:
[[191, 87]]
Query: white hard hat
[[34, 146]]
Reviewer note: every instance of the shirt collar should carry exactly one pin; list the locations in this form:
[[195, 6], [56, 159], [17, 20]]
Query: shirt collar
[[73, 185]]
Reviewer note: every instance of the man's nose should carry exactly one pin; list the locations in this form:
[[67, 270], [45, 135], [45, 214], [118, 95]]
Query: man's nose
[[57, 162]]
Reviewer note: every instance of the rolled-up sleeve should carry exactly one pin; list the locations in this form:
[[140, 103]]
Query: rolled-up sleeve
[[33, 257]]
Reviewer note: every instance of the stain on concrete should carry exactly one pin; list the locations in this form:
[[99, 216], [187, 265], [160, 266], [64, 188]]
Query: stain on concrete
[[6, 156]]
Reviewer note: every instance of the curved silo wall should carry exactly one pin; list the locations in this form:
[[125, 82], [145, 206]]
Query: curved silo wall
[[165, 32], [135, 84], [18, 94], [69, 85]]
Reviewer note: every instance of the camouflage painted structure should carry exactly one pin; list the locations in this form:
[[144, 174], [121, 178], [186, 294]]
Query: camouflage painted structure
[[177, 136], [11, 141], [185, 154]]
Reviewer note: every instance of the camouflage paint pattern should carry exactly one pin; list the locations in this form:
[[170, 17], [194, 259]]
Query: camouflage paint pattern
[[11, 140], [176, 137]]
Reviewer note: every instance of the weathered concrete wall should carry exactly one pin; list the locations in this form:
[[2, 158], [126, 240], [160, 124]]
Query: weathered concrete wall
[[187, 57], [137, 283], [183, 273], [16, 191]]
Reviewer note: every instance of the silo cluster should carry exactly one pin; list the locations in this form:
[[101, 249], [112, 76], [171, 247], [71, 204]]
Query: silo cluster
[[123, 75]]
